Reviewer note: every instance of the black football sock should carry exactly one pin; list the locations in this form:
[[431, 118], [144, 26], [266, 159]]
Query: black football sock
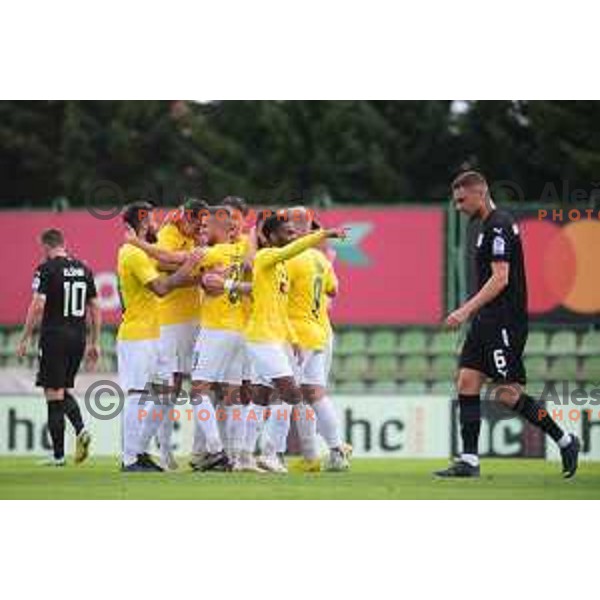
[[73, 413], [56, 427], [536, 414], [470, 422]]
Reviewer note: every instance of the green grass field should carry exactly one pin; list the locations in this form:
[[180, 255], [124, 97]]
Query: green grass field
[[383, 479]]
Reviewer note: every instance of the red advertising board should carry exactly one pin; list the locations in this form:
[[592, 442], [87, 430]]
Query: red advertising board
[[390, 268]]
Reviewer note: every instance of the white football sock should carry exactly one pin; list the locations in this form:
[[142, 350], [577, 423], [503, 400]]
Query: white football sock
[[131, 429], [327, 422], [165, 433], [306, 424], [156, 414], [253, 417], [470, 459], [221, 413], [224, 426], [199, 443], [206, 420], [564, 441], [277, 428], [234, 430]]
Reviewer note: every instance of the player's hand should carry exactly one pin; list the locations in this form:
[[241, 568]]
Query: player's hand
[[340, 233], [456, 318], [22, 347], [92, 355], [196, 255], [214, 283]]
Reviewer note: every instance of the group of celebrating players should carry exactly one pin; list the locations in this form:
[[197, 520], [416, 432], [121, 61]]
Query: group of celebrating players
[[241, 308], [242, 311]]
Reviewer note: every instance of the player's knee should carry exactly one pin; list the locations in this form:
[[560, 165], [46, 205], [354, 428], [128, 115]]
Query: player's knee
[[468, 382], [231, 395], [288, 391], [312, 393], [261, 395], [246, 395], [54, 394], [199, 389]]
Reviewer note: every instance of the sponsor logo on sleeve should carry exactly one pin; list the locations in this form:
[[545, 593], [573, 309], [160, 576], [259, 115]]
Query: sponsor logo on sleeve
[[498, 246]]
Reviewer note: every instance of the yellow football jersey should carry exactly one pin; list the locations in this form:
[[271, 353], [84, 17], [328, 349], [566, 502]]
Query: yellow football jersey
[[181, 304], [225, 311], [269, 320], [243, 243], [312, 281], [140, 305]]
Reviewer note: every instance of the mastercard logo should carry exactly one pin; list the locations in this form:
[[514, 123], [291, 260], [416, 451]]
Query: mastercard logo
[[562, 265]]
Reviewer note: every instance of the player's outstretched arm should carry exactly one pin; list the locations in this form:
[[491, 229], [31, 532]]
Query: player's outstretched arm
[[33, 318], [304, 243], [490, 290]]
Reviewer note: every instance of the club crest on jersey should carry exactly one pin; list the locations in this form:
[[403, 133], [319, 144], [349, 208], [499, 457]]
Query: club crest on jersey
[[498, 246]]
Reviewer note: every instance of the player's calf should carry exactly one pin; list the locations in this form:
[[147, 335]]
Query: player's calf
[[56, 421], [206, 431], [535, 413]]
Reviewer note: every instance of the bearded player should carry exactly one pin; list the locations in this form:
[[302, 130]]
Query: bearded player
[[269, 333], [179, 310], [141, 284]]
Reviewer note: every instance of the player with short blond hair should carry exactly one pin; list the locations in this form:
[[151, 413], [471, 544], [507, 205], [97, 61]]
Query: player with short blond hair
[[220, 348], [497, 332]]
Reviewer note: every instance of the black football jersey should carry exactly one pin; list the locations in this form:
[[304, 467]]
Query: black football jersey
[[68, 285], [499, 240]]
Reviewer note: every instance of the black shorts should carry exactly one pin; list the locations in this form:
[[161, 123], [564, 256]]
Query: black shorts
[[60, 354], [495, 349]]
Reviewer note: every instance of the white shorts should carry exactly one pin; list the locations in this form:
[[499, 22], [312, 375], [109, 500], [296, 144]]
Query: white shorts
[[175, 349], [271, 360], [248, 370], [315, 366], [137, 363], [219, 356]]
